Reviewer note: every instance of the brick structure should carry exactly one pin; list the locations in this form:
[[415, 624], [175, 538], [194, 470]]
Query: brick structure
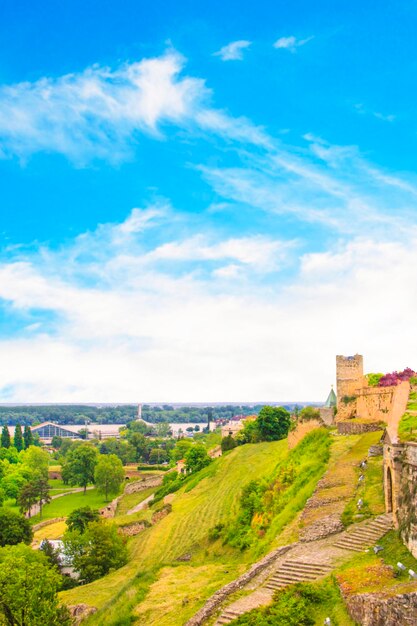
[[349, 377]]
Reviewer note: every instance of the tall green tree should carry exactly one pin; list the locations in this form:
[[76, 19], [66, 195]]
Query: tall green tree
[[14, 528], [96, 551], [42, 488], [5, 437], [273, 423], [27, 497], [27, 437], [28, 588], [196, 458], [18, 438], [79, 465], [79, 519], [109, 474]]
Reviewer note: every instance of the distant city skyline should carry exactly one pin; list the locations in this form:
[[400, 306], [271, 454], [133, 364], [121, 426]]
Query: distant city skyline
[[204, 201]]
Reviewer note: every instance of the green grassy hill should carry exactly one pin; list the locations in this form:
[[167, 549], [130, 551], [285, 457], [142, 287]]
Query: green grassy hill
[[157, 588], [195, 511]]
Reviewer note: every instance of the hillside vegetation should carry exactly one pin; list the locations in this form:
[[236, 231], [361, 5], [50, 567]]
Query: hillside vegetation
[[213, 498]]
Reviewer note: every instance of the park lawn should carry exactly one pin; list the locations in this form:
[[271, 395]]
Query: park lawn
[[62, 507], [129, 500], [57, 486], [213, 500]]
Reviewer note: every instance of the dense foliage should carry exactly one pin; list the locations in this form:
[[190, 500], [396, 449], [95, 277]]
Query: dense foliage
[[263, 500], [394, 378], [121, 414], [272, 424], [95, 551], [14, 528], [28, 589]]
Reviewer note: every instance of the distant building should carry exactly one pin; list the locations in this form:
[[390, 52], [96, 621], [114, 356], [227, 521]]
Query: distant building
[[48, 430]]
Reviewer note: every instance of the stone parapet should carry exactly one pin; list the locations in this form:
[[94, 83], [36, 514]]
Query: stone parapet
[[357, 428], [379, 609]]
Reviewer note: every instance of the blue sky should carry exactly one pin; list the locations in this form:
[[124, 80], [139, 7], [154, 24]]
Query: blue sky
[[200, 202]]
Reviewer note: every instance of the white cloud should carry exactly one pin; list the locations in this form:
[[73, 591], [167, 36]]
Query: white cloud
[[291, 43], [233, 51], [175, 338], [97, 113]]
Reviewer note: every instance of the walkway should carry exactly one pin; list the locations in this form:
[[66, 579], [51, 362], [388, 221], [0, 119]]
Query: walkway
[[307, 561]]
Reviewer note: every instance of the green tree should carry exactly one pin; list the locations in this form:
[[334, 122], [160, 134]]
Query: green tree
[[13, 482], [18, 438], [228, 443], [5, 437], [96, 551], [158, 455], [14, 528], [196, 458], [163, 429], [109, 474], [28, 590], [79, 465], [36, 460], [41, 485], [309, 413], [181, 448], [27, 437], [27, 497], [273, 423], [56, 442], [79, 519]]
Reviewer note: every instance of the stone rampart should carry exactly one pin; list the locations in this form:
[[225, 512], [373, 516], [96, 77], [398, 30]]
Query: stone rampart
[[301, 430], [379, 609], [400, 486], [145, 483], [357, 428]]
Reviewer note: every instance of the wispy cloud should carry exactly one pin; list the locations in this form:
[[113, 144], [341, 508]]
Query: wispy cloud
[[233, 51], [97, 113], [361, 109], [291, 43]]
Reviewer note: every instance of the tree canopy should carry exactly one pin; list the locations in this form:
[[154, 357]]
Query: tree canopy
[[109, 474], [79, 465], [273, 423], [14, 528], [28, 588]]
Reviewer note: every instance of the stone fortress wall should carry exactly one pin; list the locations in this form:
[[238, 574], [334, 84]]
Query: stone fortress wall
[[361, 408]]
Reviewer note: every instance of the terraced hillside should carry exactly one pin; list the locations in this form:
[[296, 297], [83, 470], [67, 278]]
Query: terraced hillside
[[195, 511]]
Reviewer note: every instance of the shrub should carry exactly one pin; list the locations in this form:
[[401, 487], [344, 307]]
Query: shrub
[[14, 528]]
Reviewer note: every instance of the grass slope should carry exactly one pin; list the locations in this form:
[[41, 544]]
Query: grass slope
[[213, 500]]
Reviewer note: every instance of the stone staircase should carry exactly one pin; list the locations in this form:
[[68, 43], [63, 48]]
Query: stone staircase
[[289, 573], [365, 535], [228, 616], [305, 566], [292, 572]]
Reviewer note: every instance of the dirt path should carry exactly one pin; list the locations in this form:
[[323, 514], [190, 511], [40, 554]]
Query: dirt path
[[142, 505]]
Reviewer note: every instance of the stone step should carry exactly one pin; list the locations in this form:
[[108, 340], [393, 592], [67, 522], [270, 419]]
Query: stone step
[[303, 566], [354, 540], [346, 546], [228, 616], [293, 577]]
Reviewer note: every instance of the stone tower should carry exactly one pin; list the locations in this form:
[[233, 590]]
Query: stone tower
[[349, 373]]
